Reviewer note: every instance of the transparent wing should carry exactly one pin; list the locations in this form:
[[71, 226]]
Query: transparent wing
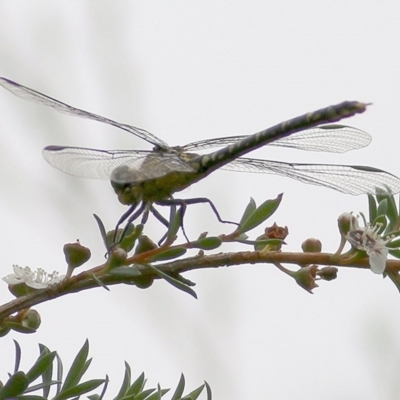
[[328, 138], [349, 179], [100, 164], [33, 95]]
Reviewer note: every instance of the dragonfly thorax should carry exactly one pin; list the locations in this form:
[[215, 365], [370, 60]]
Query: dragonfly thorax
[[132, 186]]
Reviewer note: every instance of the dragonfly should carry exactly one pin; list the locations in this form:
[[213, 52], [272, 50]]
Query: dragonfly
[[142, 179]]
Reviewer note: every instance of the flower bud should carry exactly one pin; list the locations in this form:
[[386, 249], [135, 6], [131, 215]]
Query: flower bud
[[328, 273], [143, 282], [312, 245], [31, 320], [76, 254], [345, 222], [117, 257]]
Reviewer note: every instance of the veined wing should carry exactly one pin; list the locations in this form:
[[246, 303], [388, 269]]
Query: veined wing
[[37, 97], [349, 179], [331, 138], [100, 164]]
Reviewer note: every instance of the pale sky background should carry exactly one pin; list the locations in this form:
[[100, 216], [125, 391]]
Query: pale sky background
[[188, 70]]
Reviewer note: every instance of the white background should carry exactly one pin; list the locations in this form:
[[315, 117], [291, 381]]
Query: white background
[[188, 70]]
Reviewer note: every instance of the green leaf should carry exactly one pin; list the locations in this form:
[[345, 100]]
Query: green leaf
[[373, 212], [41, 365], [382, 206], [144, 394], [174, 282], [157, 396], [15, 386], [261, 244], [80, 389], [194, 394], [17, 356], [169, 254], [250, 208], [175, 222], [137, 386], [393, 244], [125, 383], [102, 230], [208, 243], [392, 212], [77, 369], [263, 212], [99, 282], [208, 389], [40, 386], [105, 387], [395, 253], [131, 397], [60, 372], [132, 234], [18, 327], [179, 389], [382, 195], [48, 373]]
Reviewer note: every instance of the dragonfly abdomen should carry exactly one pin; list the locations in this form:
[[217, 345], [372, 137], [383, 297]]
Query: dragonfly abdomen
[[210, 162]]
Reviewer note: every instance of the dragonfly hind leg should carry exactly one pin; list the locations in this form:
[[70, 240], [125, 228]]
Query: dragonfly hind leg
[[183, 203], [196, 200], [165, 222]]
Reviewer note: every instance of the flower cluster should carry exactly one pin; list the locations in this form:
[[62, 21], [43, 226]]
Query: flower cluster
[[39, 279], [366, 239]]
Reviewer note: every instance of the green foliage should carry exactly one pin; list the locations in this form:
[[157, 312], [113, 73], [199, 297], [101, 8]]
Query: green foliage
[[385, 208], [20, 384], [174, 282], [254, 217], [134, 259]]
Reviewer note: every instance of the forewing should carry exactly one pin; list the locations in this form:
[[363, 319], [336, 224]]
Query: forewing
[[37, 97], [349, 179], [100, 164], [332, 138]]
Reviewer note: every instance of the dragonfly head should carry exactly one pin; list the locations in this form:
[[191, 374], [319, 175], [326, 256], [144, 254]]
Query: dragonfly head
[[125, 185], [128, 194]]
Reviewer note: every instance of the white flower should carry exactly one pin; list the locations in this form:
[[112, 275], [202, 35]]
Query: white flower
[[367, 239], [39, 279]]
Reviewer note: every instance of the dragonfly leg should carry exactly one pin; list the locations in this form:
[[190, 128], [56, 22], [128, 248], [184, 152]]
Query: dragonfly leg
[[160, 217], [129, 216], [165, 222], [197, 200]]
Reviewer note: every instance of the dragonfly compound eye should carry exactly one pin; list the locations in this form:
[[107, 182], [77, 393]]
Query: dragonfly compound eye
[[128, 194], [125, 181]]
